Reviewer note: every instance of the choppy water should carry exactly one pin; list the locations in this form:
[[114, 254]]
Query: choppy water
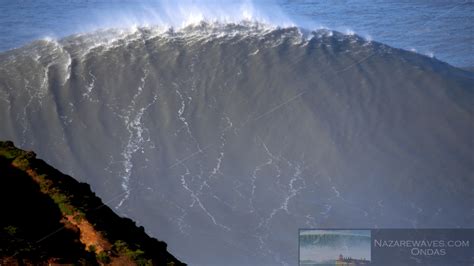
[[443, 28]]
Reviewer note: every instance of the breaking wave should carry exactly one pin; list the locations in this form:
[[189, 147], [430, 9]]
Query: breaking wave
[[237, 134], [182, 14]]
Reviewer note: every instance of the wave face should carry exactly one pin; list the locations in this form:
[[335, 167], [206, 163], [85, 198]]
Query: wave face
[[223, 140]]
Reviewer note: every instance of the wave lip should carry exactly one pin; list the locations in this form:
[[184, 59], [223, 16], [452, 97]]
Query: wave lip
[[79, 45], [181, 14]]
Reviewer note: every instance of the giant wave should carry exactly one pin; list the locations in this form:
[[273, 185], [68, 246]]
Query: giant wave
[[224, 139]]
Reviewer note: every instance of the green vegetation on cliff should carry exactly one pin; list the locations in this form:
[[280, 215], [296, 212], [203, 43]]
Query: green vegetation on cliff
[[49, 217]]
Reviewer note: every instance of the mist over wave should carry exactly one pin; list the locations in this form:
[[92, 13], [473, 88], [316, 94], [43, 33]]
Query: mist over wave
[[223, 139], [181, 14]]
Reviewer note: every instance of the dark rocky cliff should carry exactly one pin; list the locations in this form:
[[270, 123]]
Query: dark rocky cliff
[[49, 217]]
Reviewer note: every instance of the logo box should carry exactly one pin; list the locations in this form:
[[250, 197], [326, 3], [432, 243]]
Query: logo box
[[386, 247]]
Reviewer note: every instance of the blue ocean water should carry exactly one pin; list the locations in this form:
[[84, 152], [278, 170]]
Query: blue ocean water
[[440, 28]]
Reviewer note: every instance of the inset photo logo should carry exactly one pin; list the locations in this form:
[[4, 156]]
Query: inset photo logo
[[334, 247]]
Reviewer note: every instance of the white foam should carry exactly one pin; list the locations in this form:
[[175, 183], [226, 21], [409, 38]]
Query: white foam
[[430, 54], [184, 13], [133, 123], [349, 32]]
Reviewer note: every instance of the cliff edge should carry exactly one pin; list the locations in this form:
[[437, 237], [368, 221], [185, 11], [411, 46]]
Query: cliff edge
[[50, 218]]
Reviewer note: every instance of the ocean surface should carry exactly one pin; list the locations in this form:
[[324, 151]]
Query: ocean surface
[[224, 129], [440, 28]]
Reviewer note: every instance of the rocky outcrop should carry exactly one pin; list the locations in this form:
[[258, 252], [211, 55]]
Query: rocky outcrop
[[49, 218]]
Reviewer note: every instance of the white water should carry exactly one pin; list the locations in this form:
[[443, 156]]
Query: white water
[[181, 14]]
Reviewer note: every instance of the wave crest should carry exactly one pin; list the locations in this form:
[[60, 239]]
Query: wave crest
[[181, 14], [79, 45]]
